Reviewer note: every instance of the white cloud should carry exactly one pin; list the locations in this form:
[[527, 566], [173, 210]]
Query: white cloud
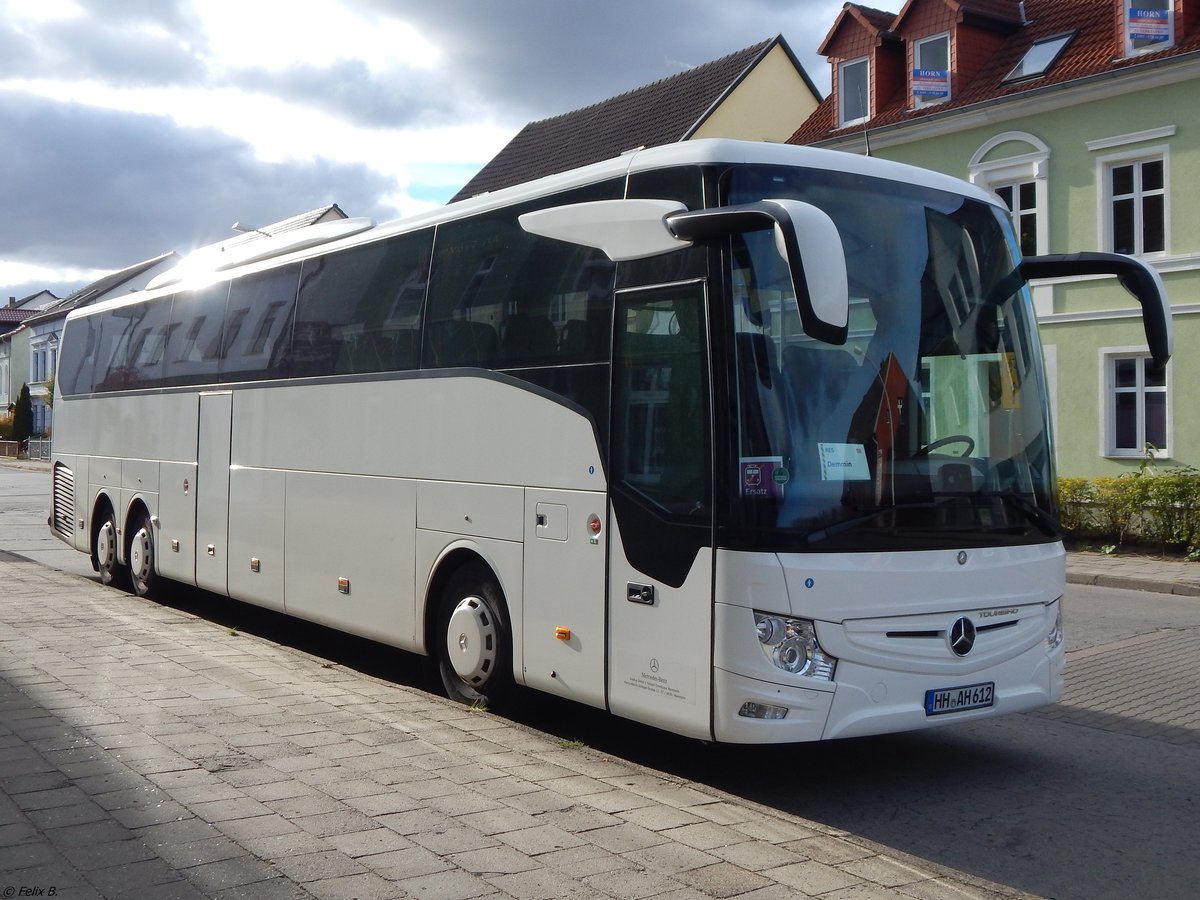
[[34, 11], [19, 272], [276, 34]]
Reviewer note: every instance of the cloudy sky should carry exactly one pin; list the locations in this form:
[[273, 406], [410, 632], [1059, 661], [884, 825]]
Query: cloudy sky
[[132, 127]]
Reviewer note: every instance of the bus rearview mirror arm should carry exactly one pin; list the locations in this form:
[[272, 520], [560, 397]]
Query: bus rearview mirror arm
[[806, 238], [1138, 278], [807, 241]]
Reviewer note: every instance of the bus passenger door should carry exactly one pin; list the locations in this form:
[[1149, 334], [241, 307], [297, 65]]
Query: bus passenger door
[[212, 491], [660, 534]]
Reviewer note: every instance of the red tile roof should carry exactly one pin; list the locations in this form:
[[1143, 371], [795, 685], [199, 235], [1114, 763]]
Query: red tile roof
[[875, 21], [1095, 49]]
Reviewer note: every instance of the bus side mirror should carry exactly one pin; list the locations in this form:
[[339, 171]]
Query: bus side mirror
[[623, 229], [1138, 278], [806, 238], [807, 241]]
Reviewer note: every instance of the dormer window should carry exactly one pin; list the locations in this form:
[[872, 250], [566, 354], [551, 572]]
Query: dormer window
[[1039, 58], [931, 70], [854, 91], [1149, 26]]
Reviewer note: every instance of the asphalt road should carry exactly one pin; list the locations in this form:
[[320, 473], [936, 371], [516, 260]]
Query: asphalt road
[[1098, 796]]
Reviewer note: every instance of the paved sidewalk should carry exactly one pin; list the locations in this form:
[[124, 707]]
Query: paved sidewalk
[[1135, 572], [145, 752]]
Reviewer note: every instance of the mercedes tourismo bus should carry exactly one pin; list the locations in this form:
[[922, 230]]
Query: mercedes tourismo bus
[[748, 442]]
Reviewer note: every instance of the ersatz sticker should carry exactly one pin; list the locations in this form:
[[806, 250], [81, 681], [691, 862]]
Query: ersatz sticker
[[763, 476]]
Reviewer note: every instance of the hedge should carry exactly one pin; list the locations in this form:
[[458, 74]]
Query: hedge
[[1147, 507]]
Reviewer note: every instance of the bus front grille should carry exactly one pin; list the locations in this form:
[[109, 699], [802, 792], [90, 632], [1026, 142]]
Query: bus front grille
[[64, 501]]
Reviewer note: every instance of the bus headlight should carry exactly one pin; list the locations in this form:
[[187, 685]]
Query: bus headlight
[[1055, 637], [791, 645]]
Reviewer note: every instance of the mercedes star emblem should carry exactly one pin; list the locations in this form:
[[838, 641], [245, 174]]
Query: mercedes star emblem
[[962, 636]]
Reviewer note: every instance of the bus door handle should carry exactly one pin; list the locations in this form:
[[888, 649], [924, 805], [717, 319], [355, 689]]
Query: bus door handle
[[640, 593]]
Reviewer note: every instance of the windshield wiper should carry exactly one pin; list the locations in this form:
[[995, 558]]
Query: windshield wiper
[[821, 534], [1045, 522]]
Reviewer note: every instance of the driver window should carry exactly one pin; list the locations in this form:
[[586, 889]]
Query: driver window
[[661, 437]]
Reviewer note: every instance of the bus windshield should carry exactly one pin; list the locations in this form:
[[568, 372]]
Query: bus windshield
[[928, 428]]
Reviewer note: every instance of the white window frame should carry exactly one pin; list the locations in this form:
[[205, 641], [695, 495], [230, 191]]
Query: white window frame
[[1130, 49], [1104, 167], [921, 102], [1108, 411], [864, 61], [1034, 166], [1017, 210]]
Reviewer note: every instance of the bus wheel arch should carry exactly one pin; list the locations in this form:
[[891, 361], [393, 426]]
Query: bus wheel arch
[[468, 630], [106, 543], [141, 550]]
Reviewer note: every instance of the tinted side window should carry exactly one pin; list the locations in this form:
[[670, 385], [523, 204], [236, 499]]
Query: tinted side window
[[505, 299], [360, 309], [193, 351], [127, 349], [77, 361], [258, 325]]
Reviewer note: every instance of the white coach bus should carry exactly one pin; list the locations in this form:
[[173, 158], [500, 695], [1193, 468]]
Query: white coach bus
[[748, 442]]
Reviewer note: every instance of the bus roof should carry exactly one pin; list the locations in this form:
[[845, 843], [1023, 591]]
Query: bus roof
[[712, 151]]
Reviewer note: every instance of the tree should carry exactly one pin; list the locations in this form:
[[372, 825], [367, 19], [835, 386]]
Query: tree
[[49, 398], [23, 417]]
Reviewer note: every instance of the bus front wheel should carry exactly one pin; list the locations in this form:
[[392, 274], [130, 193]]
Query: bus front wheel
[[104, 550], [141, 558], [475, 645]]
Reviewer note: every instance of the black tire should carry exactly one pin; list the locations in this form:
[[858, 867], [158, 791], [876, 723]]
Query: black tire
[[474, 642], [143, 562], [105, 540]]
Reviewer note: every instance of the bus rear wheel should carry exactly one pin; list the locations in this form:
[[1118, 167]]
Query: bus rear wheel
[[142, 572], [104, 550], [474, 642]]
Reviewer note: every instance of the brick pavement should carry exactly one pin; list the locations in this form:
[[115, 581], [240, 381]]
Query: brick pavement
[[146, 752], [1161, 703]]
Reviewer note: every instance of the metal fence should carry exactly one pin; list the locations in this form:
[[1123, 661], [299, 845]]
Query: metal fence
[[37, 450]]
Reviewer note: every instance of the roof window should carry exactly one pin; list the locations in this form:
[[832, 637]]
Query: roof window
[[1040, 56]]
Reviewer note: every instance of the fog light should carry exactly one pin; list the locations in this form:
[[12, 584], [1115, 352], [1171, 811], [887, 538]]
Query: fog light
[[752, 710]]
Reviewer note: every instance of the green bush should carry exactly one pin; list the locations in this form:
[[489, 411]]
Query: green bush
[[1147, 506]]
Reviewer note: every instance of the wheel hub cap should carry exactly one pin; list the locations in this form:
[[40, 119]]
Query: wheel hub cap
[[471, 639], [106, 546], [139, 556]]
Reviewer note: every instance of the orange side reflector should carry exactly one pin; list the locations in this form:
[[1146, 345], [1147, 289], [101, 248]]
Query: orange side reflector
[[563, 634]]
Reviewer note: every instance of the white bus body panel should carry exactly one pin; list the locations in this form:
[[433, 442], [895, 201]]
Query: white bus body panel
[[564, 589], [256, 536], [359, 529], [212, 492], [884, 617], [176, 534]]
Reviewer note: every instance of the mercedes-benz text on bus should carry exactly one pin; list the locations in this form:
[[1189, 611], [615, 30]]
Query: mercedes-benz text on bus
[[748, 442]]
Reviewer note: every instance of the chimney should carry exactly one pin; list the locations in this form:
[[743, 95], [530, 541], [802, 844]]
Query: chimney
[[12, 301]]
